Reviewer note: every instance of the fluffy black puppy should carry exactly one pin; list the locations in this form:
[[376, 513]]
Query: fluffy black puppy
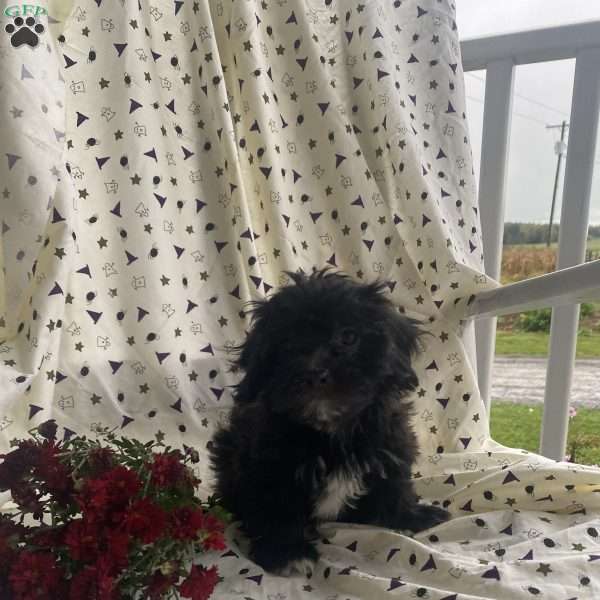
[[320, 429]]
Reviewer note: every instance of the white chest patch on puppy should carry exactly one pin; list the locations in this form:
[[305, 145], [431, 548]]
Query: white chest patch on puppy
[[341, 489]]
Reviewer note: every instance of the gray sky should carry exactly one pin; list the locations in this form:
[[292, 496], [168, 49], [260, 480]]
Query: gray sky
[[543, 97]]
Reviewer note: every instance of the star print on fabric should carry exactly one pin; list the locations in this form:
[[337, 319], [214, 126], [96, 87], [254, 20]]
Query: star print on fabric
[[544, 569]]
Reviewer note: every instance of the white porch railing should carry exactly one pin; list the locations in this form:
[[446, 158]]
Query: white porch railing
[[499, 55]]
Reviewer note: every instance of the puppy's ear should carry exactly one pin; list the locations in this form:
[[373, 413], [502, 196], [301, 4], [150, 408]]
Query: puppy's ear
[[404, 331], [253, 356], [406, 334]]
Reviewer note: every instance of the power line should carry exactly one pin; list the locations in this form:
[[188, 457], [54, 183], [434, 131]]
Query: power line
[[527, 117], [523, 116], [517, 114], [524, 97]]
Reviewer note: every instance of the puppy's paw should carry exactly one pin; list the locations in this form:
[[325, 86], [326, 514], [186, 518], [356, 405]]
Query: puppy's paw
[[425, 516], [285, 560], [302, 566]]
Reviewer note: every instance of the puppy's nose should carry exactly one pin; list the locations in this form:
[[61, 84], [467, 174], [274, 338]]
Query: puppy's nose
[[320, 376]]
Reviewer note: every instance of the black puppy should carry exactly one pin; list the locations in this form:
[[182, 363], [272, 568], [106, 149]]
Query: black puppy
[[320, 429]]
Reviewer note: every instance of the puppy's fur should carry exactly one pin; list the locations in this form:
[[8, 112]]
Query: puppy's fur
[[320, 429]]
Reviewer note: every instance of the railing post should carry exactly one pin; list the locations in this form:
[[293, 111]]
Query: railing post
[[494, 161], [583, 130]]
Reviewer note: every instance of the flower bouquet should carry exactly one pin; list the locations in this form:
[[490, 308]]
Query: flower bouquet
[[104, 521]]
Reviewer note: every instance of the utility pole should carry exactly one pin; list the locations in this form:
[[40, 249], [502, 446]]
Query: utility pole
[[560, 149]]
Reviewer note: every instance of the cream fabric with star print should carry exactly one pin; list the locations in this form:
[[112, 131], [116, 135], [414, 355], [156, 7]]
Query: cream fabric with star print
[[163, 163]]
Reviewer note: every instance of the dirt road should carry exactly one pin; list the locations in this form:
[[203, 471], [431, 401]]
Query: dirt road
[[522, 379]]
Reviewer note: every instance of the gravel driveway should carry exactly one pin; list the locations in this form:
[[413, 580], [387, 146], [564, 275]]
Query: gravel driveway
[[522, 379]]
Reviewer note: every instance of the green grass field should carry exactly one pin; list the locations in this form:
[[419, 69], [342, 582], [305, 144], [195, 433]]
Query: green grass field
[[519, 426], [522, 343], [592, 244]]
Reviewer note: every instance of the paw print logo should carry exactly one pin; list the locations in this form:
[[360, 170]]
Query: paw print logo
[[24, 31]]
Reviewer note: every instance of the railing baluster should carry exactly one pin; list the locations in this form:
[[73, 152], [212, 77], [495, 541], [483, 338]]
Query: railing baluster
[[583, 130], [494, 161]]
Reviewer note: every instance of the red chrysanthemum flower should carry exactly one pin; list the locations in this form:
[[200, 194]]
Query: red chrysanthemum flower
[[83, 584], [118, 549], [109, 494], [214, 541], [200, 583], [185, 523], [35, 575], [212, 529], [145, 520], [212, 523], [94, 582], [122, 482], [82, 539], [56, 478], [87, 541], [105, 579], [16, 463], [160, 584], [167, 469]]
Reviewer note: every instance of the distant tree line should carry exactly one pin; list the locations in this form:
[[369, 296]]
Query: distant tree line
[[536, 233]]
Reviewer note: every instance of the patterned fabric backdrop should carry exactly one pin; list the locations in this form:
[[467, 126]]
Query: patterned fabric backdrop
[[163, 163]]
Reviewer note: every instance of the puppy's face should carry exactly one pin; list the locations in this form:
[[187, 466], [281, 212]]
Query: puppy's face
[[322, 350]]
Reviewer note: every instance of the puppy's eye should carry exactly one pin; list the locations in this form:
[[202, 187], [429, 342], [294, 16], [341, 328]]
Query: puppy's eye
[[349, 337]]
